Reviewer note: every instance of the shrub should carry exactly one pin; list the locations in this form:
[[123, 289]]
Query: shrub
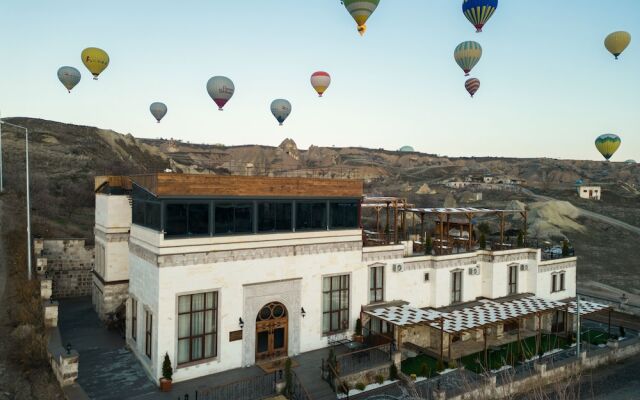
[[565, 248], [483, 241], [358, 327], [360, 386], [520, 239], [428, 246], [393, 372], [424, 370], [167, 371], [379, 379], [440, 366]]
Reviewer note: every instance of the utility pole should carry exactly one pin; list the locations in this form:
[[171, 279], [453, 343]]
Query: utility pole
[[578, 333]]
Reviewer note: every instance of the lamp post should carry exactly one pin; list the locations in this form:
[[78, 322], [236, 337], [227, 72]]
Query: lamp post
[[26, 141]]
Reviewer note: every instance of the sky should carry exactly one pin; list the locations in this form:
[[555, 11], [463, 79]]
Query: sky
[[548, 86]]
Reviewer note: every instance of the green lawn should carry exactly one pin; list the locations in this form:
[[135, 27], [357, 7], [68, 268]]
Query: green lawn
[[413, 365], [595, 337]]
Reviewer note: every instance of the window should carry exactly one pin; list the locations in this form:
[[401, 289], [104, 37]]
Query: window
[[187, 219], [197, 326], [145, 209], [274, 217], [311, 216], [234, 218], [376, 284], [456, 286], [561, 280], [344, 214], [148, 331], [426, 277], [554, 283], [335, 303], [513, 279], [134, 319], [558, 282]]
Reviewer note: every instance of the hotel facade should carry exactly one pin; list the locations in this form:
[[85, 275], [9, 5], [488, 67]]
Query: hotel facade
[[222, 272]]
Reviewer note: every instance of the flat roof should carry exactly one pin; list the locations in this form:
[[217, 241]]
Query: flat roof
[[205, 185]]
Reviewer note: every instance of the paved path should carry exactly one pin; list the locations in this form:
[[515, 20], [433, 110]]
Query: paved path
[[308, 371], [107, 370]]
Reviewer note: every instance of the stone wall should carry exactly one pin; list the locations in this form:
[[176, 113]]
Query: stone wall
[[68, 262], [107, 297]]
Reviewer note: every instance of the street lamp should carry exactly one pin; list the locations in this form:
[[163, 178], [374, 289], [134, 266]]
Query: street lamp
[[26, 141]]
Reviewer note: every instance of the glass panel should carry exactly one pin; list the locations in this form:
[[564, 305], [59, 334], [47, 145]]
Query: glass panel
[[325, 323], [196, 348], [344, 215], [209, 300], [183, 351], [197, 303], [176, 219], [184, 304], [311, 216], [379, 277], [372, 278], [266, 217], [183, 325], [243, 221], [344, 319], [344, 299], [345, 281], [335, 325], [198, 219], [208, 325], [263, 341], [224, 218], [278, 338], [278, 311], [137, 213], [197, 323], [335, 282], [379, 296], [326, 284], [335, 299], [283, 216], [152, 216], [265, 313], [326, 301], [209, 346]]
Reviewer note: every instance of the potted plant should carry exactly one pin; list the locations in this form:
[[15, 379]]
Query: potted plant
[[357, 335], [167, 374]]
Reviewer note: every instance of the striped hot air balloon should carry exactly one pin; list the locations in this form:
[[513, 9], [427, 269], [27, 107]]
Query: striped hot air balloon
[[616, 42], [361, 10], [472, 85], [320, 81], [478, 12], [467, 55], [608, 144]]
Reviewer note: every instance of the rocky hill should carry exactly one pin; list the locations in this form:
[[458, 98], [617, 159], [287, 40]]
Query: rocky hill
[[65, 158]]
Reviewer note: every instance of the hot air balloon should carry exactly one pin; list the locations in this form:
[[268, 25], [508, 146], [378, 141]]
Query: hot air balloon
[[478, 12], [467, 55], [158, 110], [320, 81], [221, 89], [96, 60], [280, 108], [472, 85], [361, 10], [616, 42], [69, 77], [608, 144]]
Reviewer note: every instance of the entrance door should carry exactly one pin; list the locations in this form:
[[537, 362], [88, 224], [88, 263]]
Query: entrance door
[[271, 332]]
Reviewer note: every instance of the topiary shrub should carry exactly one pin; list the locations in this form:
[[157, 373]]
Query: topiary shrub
[[167, 370], [360, 386], [393, 372], [428, 246]]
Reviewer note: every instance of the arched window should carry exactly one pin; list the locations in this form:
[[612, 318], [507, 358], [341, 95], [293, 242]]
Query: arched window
[[272, 311]]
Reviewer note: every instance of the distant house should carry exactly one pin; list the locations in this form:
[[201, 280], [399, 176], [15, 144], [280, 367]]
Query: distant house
[[456, 184], [589, 192], [487, 179]]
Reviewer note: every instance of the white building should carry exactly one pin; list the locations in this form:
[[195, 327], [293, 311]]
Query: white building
[[226, 271], [589, 192]]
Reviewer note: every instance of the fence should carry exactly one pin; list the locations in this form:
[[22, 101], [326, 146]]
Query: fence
[[256, 387], [364, 359]]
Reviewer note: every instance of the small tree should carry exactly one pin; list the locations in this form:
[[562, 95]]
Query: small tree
[[483, 241], [288, 378], [358, 331], [483, 227], [167, 370], [393, 372], [565, 248], [428, 246], [520, 239]]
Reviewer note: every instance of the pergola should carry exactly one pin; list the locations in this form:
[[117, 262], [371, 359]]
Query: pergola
[[482, 315], [390, 205]]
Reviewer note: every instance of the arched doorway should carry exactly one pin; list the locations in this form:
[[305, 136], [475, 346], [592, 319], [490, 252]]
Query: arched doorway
[[271, 332]]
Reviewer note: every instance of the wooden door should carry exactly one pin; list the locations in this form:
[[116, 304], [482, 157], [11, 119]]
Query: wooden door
[[272, 332]]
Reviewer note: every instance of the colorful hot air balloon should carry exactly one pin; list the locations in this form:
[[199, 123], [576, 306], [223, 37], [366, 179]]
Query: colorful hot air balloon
[[478, 12], [320, 81], [69, 77], [361, 10], [221, 89], [616, 42], [158, 110], [467, 55], [96, 60], [608, 144], [472, 85], [280, 108]]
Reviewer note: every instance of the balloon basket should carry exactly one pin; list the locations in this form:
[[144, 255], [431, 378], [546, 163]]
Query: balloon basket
[[220, 109], [95, 78]]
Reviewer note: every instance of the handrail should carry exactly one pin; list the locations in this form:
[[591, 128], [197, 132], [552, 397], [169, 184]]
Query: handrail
[[336, 376], [306, 394]]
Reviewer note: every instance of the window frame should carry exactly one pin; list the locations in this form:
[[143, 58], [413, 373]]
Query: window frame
[[357, 205], [165, 217], [456, 295], [376, 287], [512, 281], [202, 337], [297, 218], [134, 319], [330, 330], [554, 283], [148, 333], [258, 214]]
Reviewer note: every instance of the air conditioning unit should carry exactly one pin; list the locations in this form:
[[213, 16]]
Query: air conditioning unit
[[398, 267], [524, 267], [474, 271]]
